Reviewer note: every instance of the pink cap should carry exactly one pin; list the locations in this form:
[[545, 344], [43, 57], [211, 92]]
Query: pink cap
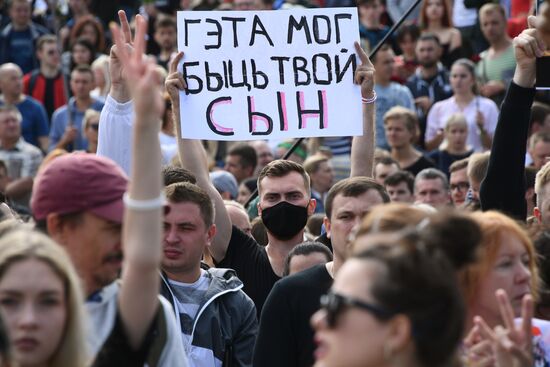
[[80, 182]]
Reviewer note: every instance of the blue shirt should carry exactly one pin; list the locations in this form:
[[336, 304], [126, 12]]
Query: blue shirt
[[60, 121], [35, 120], [21, 48]]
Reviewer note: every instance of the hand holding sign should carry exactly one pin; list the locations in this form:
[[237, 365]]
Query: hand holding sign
[[364, 75], [175, 83]]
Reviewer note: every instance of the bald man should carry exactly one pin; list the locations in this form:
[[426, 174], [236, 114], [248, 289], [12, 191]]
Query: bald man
[[35, 125]]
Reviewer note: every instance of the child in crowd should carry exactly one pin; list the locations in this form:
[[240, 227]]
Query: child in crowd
[[455, 147]]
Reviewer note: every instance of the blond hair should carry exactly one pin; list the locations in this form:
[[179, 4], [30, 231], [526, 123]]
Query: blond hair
[[543, 177], [21, 244], [454, 120]]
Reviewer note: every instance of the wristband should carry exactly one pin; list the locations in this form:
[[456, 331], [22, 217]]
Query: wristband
[[369, 100], [143, 205]]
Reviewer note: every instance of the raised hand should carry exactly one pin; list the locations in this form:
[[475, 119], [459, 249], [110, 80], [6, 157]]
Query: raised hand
[[527, 47], [364, 75], [139, 72], [512, 343], [115, 67], [174, 82]]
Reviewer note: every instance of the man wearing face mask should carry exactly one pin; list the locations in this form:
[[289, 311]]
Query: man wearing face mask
[[284, 199]]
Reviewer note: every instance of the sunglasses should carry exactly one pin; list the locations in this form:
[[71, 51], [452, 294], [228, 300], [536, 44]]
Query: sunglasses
[[334, 304], [94, 126]]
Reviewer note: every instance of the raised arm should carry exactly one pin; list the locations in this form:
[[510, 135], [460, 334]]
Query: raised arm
[[142, 229], [115, 121], [193, 157], [362, 147], [509, 142]]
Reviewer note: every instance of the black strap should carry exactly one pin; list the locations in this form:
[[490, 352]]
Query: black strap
[[32, 81]]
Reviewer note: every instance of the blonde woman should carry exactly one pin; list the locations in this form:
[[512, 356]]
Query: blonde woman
[[41, 302]]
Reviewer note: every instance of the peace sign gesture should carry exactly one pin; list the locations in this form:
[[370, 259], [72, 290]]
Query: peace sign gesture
[[512, 344], [138, 71], [364, 75]]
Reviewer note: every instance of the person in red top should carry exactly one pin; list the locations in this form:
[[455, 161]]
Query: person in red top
[[46, 84]]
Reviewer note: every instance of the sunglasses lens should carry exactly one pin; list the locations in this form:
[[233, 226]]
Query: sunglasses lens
[[331, 304], [94, 126]]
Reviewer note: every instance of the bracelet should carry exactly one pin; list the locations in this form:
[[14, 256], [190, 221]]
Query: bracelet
[[369, 100], [156, 203]]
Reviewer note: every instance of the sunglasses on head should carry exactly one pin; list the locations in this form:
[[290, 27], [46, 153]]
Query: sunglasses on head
[[334, 304]]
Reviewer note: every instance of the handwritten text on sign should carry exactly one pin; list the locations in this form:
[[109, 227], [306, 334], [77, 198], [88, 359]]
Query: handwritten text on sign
[[269, 74]]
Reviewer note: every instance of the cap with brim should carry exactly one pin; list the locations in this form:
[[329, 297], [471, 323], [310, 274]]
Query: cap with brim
[[80, 182]]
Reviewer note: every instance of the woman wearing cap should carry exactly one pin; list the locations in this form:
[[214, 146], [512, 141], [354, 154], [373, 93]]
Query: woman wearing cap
[[41, 302], [396, 302]]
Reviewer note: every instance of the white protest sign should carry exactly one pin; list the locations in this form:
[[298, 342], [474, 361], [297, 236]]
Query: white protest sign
[[269, 74]]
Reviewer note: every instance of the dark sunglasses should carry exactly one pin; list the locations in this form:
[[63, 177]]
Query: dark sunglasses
[[334, 304], [94, 126]]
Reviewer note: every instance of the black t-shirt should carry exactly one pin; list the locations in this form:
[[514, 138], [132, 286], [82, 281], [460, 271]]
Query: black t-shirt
[[250, 261], [286, 337], [419, 165]]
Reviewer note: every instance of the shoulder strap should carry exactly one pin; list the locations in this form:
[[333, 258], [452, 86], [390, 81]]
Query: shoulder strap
[[32, 81]]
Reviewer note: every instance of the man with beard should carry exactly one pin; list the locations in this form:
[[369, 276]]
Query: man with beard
[[430, 82]]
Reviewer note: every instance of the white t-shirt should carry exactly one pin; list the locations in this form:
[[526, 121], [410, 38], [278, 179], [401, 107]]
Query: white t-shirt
[[441, 111]]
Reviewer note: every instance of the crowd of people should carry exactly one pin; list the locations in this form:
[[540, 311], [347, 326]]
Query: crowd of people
[[425, 241]]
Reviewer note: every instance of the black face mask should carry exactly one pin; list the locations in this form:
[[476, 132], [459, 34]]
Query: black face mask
[[284, 220]]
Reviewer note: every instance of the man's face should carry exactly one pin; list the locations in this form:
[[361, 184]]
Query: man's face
[[382, 171], [539, 153], [371, 11], [185, 238], [290, 188], [234, 166], [20, 13], [49, 55], [397, 134], [166, 37], [82, 84], [94, 245], [347, 212], [264, 153], [11, 81], [493, 26], [323, 177], [459, 186], [239, 219], [432, 192], [10, 126], [400, 193], [384, 65], [428, 53]]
